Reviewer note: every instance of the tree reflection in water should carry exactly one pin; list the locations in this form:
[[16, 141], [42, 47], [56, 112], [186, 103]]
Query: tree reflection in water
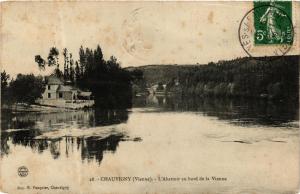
[[236, 111], [90, 147]]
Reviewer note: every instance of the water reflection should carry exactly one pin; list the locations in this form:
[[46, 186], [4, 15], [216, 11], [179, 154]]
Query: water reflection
[[92, 133], [91, 148], [25, 130], [57, 120], [236, 111]]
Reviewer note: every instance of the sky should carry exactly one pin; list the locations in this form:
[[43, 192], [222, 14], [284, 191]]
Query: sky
[[136, 33]]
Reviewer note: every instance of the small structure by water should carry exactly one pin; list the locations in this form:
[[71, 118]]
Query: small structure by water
[[60, 94]]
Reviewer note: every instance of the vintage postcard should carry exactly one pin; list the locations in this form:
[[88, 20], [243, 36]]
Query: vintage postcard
[[156, 97]]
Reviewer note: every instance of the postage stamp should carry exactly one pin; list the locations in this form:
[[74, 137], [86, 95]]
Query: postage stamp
[[267, 28], [272, 22]]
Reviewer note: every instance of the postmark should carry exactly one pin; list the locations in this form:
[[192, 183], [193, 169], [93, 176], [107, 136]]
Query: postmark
[[138, 38], [267, 30]]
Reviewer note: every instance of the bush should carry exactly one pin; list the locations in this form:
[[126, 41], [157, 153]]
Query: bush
[[26, 88]]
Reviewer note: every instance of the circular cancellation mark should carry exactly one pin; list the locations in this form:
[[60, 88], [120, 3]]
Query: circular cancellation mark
[[275, 41]]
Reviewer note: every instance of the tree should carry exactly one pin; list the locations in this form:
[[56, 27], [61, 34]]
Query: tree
[[89, 61], [4, 87], [53, 57], [40, 61], [113, 64], [53, 60], [66, 64], [26, 88], [72, 73], [82, 60], [4, 80], [98, 55], [77, 72], [137, 74]]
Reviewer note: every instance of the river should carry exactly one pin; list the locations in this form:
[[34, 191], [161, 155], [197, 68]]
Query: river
[[170, 145]]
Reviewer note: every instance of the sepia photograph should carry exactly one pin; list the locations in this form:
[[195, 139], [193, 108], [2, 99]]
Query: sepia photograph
[[150, 97]]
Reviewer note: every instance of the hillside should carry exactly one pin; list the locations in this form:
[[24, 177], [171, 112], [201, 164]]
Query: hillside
[[160, 73], [249, 77]]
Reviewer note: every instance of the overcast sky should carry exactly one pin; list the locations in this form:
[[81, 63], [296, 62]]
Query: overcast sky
[[135, 33]]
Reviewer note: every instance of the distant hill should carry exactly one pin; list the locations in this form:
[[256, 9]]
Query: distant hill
[[160, 73], [264, 77], [156, 73]]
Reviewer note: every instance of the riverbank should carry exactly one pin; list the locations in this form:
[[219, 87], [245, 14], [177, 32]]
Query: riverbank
[[23, 107]]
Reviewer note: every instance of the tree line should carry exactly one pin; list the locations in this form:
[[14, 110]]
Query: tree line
[[243, 77], [263, 77], [22, 89]]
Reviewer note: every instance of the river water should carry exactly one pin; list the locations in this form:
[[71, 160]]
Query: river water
[[172, 145]]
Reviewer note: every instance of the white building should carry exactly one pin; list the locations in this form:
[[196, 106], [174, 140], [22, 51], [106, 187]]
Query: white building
[[59, 94]]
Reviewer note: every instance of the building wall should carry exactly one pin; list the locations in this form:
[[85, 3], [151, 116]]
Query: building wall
[[51, 91], [56, 95], [68, 95]]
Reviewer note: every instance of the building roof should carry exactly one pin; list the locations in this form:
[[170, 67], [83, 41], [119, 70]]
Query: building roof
[[63, 88], [53, 80], [85, 94]]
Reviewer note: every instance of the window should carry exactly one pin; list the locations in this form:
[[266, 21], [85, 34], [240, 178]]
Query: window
[[49, 95], [49, 87], [60, 95]]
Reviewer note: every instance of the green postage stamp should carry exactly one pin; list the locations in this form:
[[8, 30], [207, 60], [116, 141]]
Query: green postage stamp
[[273, 22]]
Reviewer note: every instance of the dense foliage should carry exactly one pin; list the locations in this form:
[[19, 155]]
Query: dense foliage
[[4, 87], [245, 77], [110, 84], [24, 89], [269, 77]]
